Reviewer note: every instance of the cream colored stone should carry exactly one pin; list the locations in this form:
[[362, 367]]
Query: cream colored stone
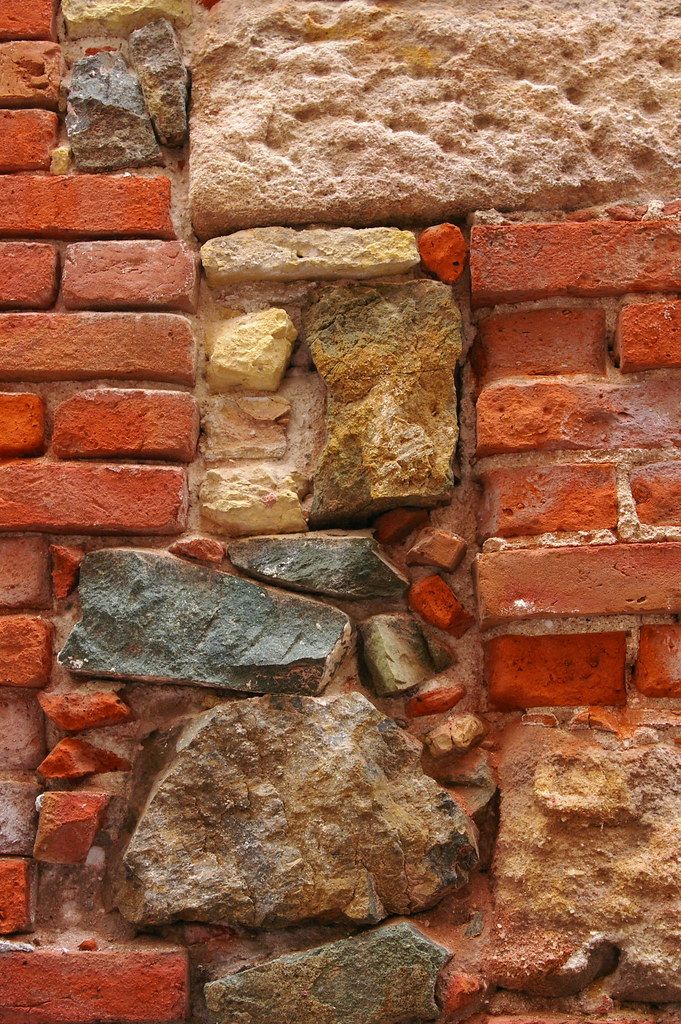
[[456, 735], [244, 504], [270, 254], [118, 17], [60, 160], [250, 351], [245, 427]]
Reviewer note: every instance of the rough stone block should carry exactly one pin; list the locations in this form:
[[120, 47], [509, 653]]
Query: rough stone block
[[155, 54], [400, 653], [22, 424], [119, 17], [24, 574], [250, 351], [248, 427], [243, 504]]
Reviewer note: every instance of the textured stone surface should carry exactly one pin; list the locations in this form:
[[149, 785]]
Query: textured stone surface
[[348, 568], [153, 617], [314, 809], [17, 815], [245, 427], [251, 502], [118, 17], [386, 976], [400, 653], [156, 56], [456, 735], [250, 351], [107, 122], [365, 113], [387, 355]]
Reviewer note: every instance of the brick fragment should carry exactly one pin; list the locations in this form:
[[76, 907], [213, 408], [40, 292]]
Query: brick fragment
[[92, 498], [22, 731], [602, 579], [85, 205], [434, 702], [84, 709], [658, 666], [199, 549], [28, 275], [108, 422], [25, 651], [518, 262], [135, 985], [522, 500], [29, 75], [27, 138], [68, 825], [16, 897], [27, 19], [74, 758], [394, 526], [555, 416], [443, 251], [561, 670], [656, 489], [17, 815], [24, 576], [435, 602], [437, 547], [539, 342], [65, 569], [22, 424], [648, 336]]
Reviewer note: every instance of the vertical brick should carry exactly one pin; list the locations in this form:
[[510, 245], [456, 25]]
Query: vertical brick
[[68, 825], [27, 138], [22, 424], [648, 336], [437, 603], [26, 19], [658, 666], [25, 651], [16, 896], [30, 74], [18, 815], [24, 573], [656, 490], [22, 739]]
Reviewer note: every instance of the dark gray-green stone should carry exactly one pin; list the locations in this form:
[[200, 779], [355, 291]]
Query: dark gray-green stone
[[400, 653]]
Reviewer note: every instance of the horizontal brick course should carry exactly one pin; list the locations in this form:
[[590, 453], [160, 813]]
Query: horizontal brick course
[[30, 74], [27, 138], [22, 424], [658, 666], [656, 490], [26, 19], [25, 651], [648, 336], [130, 275], [24, 573], [16, 897]]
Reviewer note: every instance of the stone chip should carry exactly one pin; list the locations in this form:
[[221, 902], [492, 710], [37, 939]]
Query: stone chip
[[400, 653]]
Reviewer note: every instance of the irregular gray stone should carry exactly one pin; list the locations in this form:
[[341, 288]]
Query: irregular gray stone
[[153, 617], [107, 122], [156, 56], [348, 568], [279, 810], [18, 816], [400, 653], [386, 976]]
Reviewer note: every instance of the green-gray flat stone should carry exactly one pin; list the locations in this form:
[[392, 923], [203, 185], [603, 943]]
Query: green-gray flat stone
[[400, 653]]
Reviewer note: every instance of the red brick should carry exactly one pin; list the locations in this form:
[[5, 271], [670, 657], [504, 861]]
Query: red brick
[[443, 251], [84, 709], [396, 525], [131, 275], [554, 416], [85, 205], [138, 985], [437, 547], [27, 19], [87, 346], [74, 758], [57, 497], [27, 138], [434, 702], [24, 576], [437, 603], [563, 670], [539, 342], [602, 579], [199, 549], [25, 651], [16, 896], [22, 730], [656, 490], [107, 423], [28, 275], [22, 424], [68, 825], [648, 336], [658, 667], [518, 262], [521, 501], [29, 75], [65, 569]]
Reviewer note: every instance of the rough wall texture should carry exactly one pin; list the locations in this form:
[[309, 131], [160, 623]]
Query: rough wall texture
[[340, 560]]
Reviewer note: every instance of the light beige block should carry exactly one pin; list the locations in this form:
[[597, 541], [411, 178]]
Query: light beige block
[[118, 17], [250, 351], [244, 504]]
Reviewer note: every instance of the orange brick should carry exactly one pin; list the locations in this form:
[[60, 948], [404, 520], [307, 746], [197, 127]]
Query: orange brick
[[65, 569], [28, 275], [92, 498], [85, 205], [84, 709], [396, 525], [68, 825], [648, 336], [657, 492], [562, 670], [443, 251], [22, 424], [74, 758], [106, 423], [524, 500], [27, 138], [16, 884], [539, 342], [29, 75], [518, 262], [557, 415], [24, 577], [85, 346], [602, 579], [658, 667], [437, 547], [434, 702], [25, 651], [199, 549], [437, 603], [27, 19]]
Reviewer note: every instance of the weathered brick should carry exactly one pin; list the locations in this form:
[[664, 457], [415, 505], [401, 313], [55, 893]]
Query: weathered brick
[[526, 500], [648, 336], [561, 670], [16, 896], [74, 758], [437, 603], [85, 205], [25, 651], [65, 568], [24, 574], [85, 346], [135, 985], [27, 138], [22, 424], [108, 422], [395, 525], [434, 702], [28, 275], [22, 731], [437, 547], [84, 709], [68, 825], [27, 19], [130, 275], [658, 666], [17, 815], [442, 249], [557, 415], [36, 494], [29, 75], [656, 490], [539, 342], [603, 579], [517, 262]]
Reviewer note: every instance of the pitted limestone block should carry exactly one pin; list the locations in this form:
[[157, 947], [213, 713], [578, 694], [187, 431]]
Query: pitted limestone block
[[156, 56], [400, 653], [118, 17], [281, 810], [245, 427], [243, 504], [250, 351]]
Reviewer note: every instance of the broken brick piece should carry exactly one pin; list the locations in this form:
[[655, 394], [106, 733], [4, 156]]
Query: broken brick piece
[[15, 895], [84, 710], [198, 549], [394, 526], [434, 702], [65, 568], [437, 547], [435, 602], [68, 825], [443, 251], [73, 758]]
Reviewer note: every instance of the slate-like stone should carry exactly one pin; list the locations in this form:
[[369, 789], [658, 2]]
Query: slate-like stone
[[347, 568], [107, 122], [280, 809], [386, 976], [387, 355], [156, 618], [400, 653], [156, 56]]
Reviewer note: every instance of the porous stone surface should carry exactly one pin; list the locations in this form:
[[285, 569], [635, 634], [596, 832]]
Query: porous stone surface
[[118, 17], [245, 427], [250, 351], [156, 618], [155, 54], [386, 976], [107, 122], [280, 810], [368, 113], [257, 502], [400, 653], [387, 354], [17, 814], [348, 568]]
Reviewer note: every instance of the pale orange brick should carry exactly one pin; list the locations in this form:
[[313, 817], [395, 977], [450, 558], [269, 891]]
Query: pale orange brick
[[658, 666], [656, 490], [22, 424], [30, 73], [648, 336]]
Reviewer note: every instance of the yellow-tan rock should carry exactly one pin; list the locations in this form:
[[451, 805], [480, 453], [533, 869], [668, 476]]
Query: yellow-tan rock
[[118, 17], [250, 351], [245, 427], [243, 504]]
